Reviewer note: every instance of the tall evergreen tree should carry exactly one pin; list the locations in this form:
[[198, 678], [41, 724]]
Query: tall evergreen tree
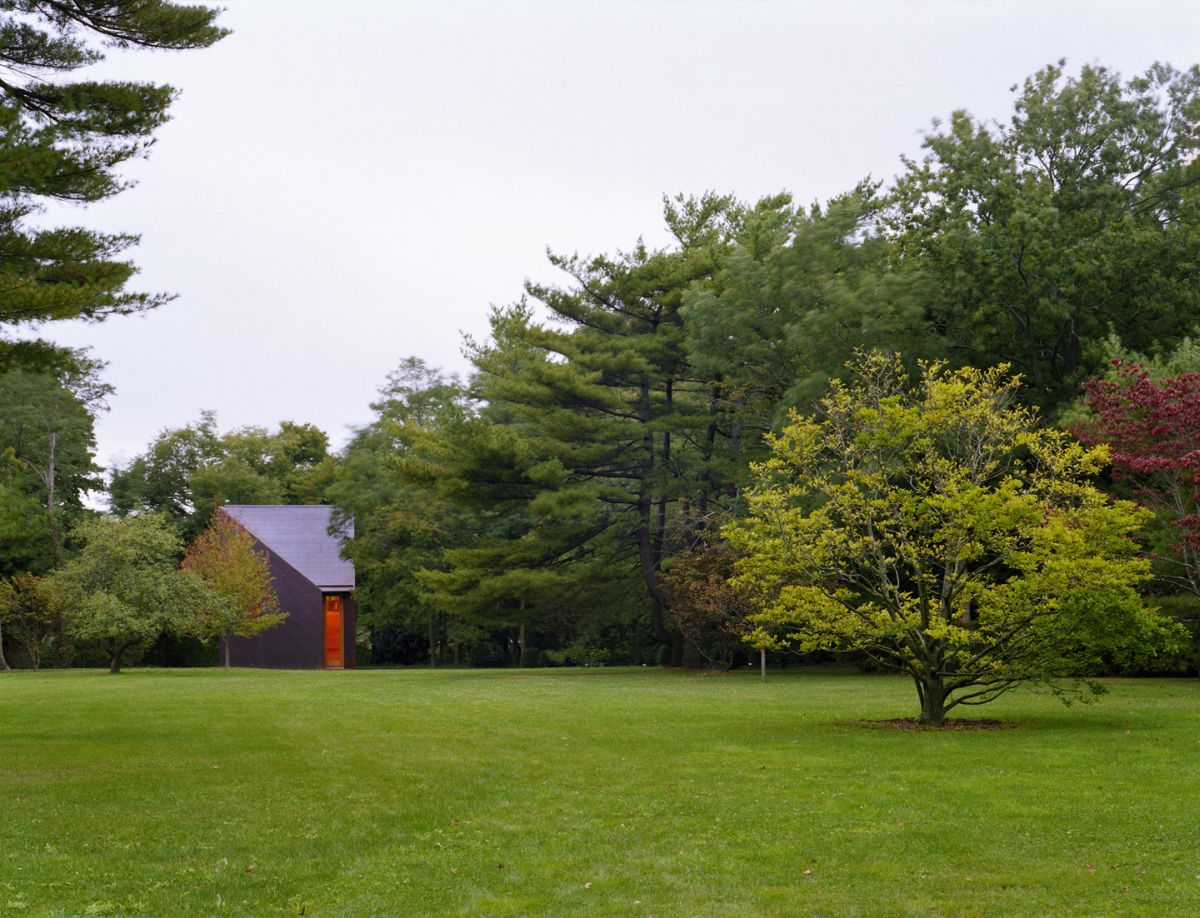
[[611, 428], [62, 139], [793, 300]]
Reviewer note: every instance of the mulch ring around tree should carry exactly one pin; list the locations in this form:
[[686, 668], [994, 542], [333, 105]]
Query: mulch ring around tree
[[911, 725]]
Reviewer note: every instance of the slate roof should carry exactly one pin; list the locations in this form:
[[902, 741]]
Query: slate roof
[[299, 534]]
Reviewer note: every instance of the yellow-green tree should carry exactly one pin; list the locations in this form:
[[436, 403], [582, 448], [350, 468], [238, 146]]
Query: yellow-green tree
[[224, 557], [933, 524]]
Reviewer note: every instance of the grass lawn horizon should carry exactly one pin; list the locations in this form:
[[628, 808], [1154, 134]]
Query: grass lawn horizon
[[597, 792]]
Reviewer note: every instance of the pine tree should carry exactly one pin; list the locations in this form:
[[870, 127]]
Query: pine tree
[[61, 139], [603, 436]]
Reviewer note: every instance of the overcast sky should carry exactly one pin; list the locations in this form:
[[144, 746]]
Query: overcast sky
[[343, 185]]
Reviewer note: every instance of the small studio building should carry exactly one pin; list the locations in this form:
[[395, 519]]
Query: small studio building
[[314, 584]]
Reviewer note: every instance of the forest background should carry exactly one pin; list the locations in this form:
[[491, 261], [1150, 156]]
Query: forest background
[[563, 504]]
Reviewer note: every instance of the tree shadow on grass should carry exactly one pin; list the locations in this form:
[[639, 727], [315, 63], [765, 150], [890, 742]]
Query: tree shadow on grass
[[912, 725]]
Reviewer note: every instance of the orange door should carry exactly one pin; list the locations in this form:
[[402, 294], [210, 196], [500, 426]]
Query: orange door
[[333, 631]]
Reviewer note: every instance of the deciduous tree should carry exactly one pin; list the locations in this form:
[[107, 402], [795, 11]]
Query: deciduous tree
[[1077, 216], [1152, 427], [711, 610], [790, 303], [402, 523], [124, 587], [47, 441], [29, 618], [188, 472], [224, 557], [935, 525]]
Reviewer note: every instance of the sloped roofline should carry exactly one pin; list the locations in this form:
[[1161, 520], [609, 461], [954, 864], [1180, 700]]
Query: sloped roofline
[[313, 552]]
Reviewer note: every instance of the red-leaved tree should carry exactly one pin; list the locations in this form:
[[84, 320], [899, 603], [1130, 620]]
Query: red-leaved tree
[[1152, 427]]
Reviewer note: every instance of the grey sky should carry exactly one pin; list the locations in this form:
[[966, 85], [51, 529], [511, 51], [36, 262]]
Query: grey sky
[[346, 184]]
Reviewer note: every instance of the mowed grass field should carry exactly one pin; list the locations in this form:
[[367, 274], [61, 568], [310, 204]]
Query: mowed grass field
[[594, 792]]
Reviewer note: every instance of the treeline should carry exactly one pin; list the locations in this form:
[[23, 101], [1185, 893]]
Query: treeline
[[564, 504], [569, 496]]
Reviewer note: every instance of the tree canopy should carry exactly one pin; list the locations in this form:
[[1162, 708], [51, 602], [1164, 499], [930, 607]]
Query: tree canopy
[[187, 472], [124, 587], [615, 414], [935, 525], [1075, 218], [571, 500]]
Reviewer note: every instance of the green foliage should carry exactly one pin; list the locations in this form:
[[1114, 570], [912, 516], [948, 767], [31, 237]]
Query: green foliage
[[27, 531], [1182, 356], [612, 419], [29, 618], [1076, 217], [64, 139], [603, 444], [401, 523], [46, 457], [123, 587], [579, 653], [188, 472], [793, 300], [531, 658], [934, 525]]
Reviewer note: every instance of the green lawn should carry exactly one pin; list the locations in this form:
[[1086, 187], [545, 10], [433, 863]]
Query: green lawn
[[596, 792]]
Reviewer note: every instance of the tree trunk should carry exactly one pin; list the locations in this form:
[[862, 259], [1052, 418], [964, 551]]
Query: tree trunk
[[115, 666], [50, 473], [762, 662], [933, 701], [4, 662], [52, 517], [432, 646], [225, 651], [645, 506], [704, 479], [60, 642], [692, 657]]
